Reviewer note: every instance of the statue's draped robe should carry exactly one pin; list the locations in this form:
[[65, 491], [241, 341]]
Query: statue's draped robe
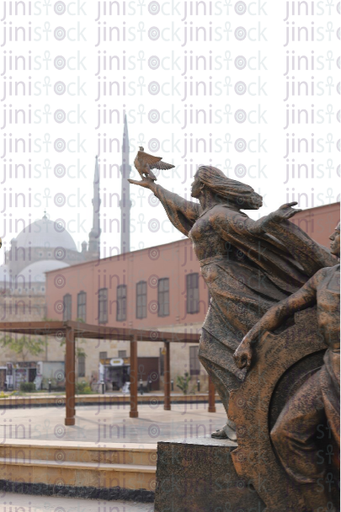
[[257, 271], [316, 403]]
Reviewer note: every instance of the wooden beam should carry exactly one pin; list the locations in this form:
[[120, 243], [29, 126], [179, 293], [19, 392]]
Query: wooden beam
[[36, 328], [133, 379], [96, 332], [167, 380], [70, 380], [211, 396], [89, 331]]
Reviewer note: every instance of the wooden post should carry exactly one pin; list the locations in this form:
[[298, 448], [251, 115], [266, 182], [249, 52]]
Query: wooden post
[[133, 379], [167, 380], [211, 396], [70, 381]]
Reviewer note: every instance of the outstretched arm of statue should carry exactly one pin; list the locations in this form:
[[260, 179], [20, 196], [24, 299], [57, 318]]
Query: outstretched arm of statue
[[284, 212], [181, 213], [274, 318], [311, 255], [289, 238], [246, 226]]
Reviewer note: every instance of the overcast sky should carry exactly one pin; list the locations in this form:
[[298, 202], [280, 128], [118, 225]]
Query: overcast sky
[[169, 108]]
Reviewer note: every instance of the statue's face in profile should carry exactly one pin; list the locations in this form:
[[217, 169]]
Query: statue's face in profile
[[196, 186], [335, 241]]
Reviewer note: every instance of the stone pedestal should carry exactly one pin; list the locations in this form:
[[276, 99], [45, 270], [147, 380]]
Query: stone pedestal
[[198, 476]]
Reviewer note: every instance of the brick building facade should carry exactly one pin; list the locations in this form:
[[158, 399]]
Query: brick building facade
[[155, 288]]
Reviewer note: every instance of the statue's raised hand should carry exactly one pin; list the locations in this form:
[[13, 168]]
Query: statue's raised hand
[[146, 182], [284, 212]]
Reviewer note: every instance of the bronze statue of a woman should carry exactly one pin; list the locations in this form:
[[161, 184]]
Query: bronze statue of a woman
[[247, 265]]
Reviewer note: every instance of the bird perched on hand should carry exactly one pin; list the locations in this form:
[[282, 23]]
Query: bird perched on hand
[[144, 163]]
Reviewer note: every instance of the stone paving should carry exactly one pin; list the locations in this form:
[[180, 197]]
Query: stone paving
[[111, 424], [101, 425]]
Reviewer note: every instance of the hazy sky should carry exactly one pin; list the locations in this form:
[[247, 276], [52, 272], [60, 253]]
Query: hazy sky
[[207, 88]]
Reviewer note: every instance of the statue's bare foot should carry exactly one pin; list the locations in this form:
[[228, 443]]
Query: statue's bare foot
[[227, 432], [219, 434]]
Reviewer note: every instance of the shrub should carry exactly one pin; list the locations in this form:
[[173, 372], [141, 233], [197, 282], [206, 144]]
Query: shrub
[[6, 395], [27, 387], [183, 382], [83, 388]]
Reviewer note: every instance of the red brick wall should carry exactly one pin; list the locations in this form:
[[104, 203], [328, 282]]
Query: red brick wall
[[173, 260]]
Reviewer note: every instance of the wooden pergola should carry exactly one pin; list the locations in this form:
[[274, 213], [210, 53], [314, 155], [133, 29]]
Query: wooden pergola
[[72, 330]]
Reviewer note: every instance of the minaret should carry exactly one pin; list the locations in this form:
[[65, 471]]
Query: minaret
[[125, 202], [95, 233]]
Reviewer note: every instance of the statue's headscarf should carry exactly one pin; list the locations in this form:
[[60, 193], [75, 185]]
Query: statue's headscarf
[[231, 190]]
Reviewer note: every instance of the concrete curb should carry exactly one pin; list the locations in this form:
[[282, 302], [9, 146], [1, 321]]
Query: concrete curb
[[113, 494], [59, 401]]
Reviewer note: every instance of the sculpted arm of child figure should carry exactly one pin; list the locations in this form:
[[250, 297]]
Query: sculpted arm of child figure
[[274, 318]]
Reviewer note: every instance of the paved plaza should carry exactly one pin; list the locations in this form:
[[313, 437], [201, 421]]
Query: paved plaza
[[101, 425], [111, 423]]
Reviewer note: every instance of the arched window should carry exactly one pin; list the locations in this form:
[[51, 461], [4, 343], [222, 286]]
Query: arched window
[[121, 313], [103, 305], [67, 307], [141, 299], [81, 306], [192, 291], [163, 296]]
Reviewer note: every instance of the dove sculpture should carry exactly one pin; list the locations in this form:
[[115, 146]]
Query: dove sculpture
[[144, 163]]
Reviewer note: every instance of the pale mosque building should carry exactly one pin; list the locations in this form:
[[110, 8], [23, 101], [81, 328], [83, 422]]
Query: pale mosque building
[[43, 246]]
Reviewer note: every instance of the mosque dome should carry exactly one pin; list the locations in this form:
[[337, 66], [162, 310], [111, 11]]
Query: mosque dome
[[35, 273], [45, 233]]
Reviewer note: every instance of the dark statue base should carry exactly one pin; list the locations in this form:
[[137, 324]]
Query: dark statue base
[[198, 476]]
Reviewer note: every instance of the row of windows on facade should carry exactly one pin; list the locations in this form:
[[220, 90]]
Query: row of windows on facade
[[29, 289], [192, 301], [194, 365]]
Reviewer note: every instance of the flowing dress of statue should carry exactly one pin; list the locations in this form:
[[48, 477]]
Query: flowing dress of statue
[[247, 265]]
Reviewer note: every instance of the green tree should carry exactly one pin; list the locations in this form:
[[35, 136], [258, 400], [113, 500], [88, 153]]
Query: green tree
[[183, 382], [23, 345]]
